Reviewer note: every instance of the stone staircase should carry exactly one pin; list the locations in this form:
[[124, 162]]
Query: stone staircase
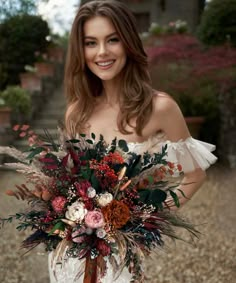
[[48, 119]]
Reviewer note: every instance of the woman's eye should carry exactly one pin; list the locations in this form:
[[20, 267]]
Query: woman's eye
[[114, 39], [90, 43]]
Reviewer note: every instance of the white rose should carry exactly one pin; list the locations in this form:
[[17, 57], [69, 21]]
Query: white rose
[[76, 211], [104, 199], [91, 192], [101, 233]]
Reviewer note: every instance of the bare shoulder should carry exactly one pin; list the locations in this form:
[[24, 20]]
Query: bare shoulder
[[163, 104], [169, 116]]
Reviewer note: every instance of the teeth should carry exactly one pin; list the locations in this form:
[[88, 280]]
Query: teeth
[[105, 63]]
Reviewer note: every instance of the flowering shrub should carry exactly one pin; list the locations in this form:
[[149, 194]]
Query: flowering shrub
[[193, 74]]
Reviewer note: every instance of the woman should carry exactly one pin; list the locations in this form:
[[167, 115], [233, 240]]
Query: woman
[[109, 92]]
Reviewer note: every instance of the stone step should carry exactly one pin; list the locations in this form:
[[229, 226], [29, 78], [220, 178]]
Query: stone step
[[46, 123], [52, 132], [54, 106], [53, 115]]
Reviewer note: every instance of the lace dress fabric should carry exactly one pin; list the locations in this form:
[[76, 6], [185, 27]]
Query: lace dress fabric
[[190, 153]]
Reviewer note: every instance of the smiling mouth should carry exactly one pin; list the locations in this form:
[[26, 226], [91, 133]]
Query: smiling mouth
[[105, 64]]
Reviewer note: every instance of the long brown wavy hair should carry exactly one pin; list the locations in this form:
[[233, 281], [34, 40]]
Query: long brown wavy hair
[[81, 85]]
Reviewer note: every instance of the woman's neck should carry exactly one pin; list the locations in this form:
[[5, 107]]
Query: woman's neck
[[111, 92]]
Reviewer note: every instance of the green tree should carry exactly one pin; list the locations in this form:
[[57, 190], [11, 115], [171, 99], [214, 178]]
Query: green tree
[[218, 23], [20, 37]]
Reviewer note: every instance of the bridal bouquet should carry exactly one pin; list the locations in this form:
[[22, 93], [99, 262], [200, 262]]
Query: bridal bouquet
[[94, 201]]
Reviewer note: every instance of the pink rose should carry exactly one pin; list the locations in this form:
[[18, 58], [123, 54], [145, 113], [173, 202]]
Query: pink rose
[[58, 203], [94, 219]]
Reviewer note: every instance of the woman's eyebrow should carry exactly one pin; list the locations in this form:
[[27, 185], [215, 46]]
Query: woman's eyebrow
[[92, 37]]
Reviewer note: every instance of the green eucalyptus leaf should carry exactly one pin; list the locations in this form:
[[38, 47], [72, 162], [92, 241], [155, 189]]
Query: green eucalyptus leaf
[[175, 198], [34, 152], [153, 197], [123, 145], [86, 173], [93, 136], [144, 195], [157, 196], [150, 179], [94, 182], [182, 193], [89, 141]]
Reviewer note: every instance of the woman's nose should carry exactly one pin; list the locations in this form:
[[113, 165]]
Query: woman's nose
[[102, 49]]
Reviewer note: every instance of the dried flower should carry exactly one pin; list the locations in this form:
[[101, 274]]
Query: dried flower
[[58, 203], [91, 192], [104, 199], [101, 233], [82, 188], [113, 158], [103, 248], [116, 213]]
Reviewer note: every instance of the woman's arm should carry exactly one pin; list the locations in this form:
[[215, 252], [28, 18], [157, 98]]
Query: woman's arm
[[173, 125]]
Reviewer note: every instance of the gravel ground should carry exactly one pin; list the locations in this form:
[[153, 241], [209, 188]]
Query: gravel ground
[[210, 260]]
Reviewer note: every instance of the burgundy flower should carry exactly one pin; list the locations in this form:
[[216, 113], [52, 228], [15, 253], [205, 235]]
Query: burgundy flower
[[58, 203], [82, 188], [103, 247]]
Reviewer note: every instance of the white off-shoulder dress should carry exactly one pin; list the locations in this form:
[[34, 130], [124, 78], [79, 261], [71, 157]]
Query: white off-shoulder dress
[[190, 153]]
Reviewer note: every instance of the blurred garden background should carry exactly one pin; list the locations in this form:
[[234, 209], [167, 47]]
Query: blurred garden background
[[191, 46]]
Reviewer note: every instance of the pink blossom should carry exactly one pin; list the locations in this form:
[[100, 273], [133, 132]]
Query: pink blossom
[[58, 203], [24, 127], [16, 127], [22, 134], [94, 219]]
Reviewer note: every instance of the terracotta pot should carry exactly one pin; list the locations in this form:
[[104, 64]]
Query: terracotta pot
[[30, 81], [44, 69], [5, 116], [194, 125]]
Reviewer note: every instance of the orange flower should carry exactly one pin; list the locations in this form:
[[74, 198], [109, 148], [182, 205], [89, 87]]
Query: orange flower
[[116, 214]]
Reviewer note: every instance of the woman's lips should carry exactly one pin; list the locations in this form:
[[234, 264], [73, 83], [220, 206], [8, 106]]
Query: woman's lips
[[105, 64]]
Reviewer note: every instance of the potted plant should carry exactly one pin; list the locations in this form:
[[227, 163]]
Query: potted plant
[[19, 100], [43, 67]]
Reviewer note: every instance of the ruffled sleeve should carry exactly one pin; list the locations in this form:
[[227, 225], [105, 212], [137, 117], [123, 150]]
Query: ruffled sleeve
[[191, 154]]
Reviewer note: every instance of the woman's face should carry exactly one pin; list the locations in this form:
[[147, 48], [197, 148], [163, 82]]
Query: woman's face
[[104, 52]]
